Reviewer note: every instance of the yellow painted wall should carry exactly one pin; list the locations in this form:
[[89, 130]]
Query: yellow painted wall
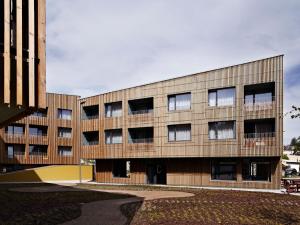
[[49, 173]]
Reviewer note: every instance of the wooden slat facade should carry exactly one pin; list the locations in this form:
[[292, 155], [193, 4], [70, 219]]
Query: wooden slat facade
[[200, 114], [51, 140], [22, 61]]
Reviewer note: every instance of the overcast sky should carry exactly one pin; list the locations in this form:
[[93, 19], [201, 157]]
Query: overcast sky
[[95, 46]]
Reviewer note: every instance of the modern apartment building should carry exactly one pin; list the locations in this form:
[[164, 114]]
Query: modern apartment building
[[23, 58], [217, 128], [49, 136]]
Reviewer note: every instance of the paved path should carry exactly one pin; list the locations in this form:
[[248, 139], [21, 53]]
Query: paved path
[[105, 212], [108, 212], [150, 195]]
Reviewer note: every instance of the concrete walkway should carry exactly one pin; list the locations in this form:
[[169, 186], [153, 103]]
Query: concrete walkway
[[105, 212], [149, 195]]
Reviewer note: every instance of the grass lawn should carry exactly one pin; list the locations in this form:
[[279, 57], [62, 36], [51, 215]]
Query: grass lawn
[[44, 208], [214, 207]]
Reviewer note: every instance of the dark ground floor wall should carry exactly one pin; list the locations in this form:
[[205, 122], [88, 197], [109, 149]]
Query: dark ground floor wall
[[187, 172]]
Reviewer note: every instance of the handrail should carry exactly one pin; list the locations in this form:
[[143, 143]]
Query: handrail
[[142, 111], [259, 135], [141, 140]]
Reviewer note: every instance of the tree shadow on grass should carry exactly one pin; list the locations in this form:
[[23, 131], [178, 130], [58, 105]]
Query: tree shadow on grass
[[282, 217], [130, 209], [52, 204]]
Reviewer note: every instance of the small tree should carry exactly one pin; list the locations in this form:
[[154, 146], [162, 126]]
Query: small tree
[[285, 157], [294, 113], [295, 144]]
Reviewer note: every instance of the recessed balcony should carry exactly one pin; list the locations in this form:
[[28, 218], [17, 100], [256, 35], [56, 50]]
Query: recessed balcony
[[140, 135], [90, 138], [259, 96], [259, 133], [140, 106]]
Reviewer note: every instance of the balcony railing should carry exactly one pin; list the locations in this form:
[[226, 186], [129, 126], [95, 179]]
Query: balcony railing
[[44, 154], [38, 135], [142, 111], [90, 143], [14, 133], [259, 139], [259, 103], [92, 117], [141, 140], [19, 153]]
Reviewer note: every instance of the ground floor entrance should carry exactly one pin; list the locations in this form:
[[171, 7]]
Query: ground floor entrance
[[255, 172], [156, 173]]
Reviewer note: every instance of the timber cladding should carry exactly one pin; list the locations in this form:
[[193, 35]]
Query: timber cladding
[[23, 58], [200, 114], [52, 123], [185, 171]]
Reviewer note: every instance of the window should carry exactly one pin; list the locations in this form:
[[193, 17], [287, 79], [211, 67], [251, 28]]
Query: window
[[65, 151], [90, 138], [259, 94], [40, 113], [179, 102], [140, 135], [256, 169], [15, 129], [38, 150], [221, 97], [37, 130], [261, 128], [140, 106], [64, 132], [221, 130], [113, 136], [180, 132], [64, 114], [223, 170], [90, 112], [113, 109], [121, 168], [13, 150]]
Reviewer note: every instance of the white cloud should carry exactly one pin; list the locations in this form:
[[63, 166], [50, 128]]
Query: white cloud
[[96, 46]]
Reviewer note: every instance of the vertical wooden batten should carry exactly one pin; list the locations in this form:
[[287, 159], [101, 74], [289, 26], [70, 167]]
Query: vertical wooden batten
[[19, 53], [42, 54], [6, 54], [31, 70]]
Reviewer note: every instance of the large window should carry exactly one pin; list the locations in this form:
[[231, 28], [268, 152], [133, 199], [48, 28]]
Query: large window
[[65, 150], [64, 132], [140, 135], [90, 112], [221, 97], [113, 109], [38, 150], [37, 130], [15, 129], [179, 102], [221, 130], [40, 113], [121, 168], [90, 138], [179, 132], [13, 150], [259, 94], [223, 170], [140, 106], [64, 114], [256, 169], [113, 136]]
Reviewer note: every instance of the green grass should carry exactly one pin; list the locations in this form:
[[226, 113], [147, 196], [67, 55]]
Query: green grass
[[44, 208]]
